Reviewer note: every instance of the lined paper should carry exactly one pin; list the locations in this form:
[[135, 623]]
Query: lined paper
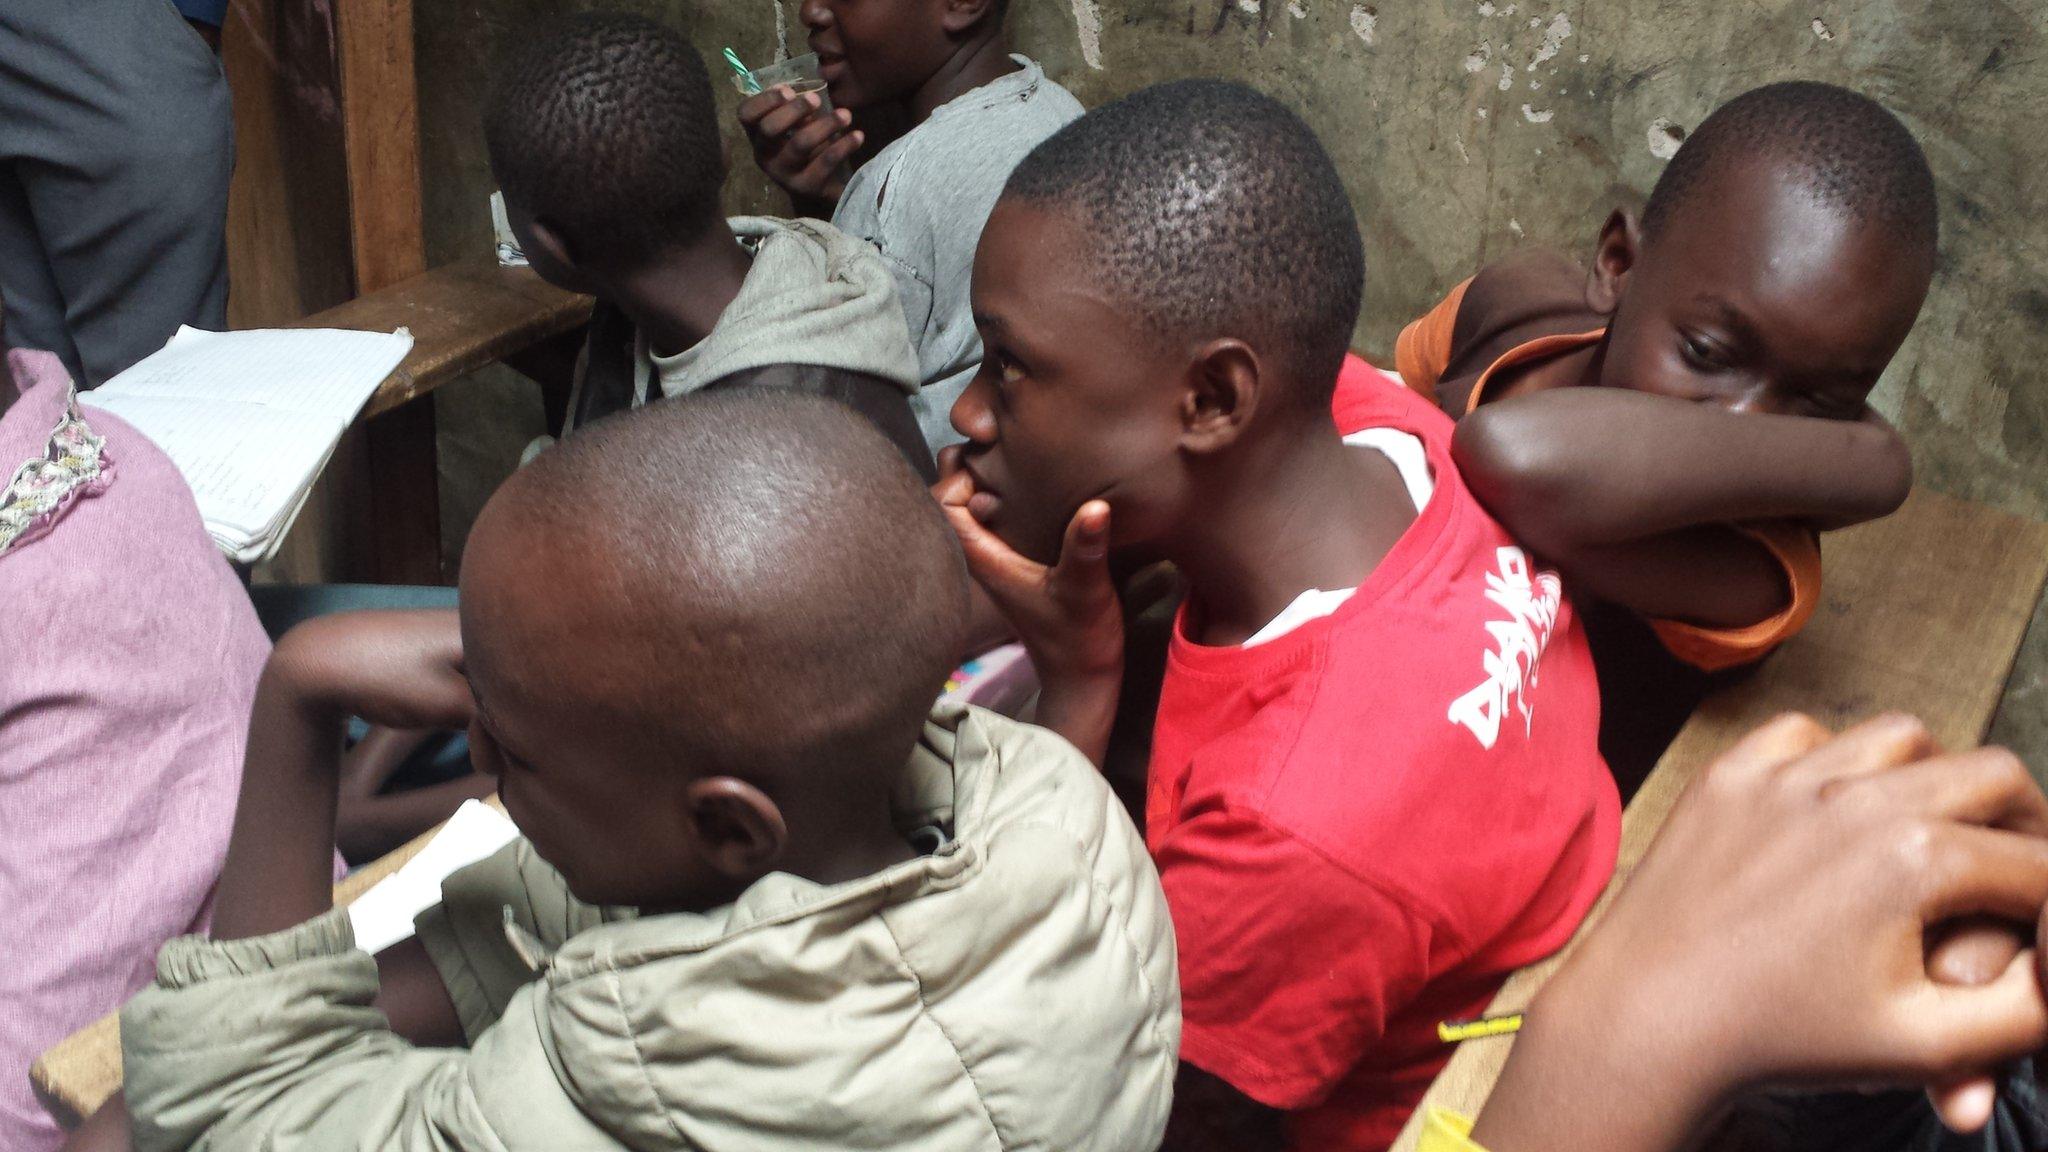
[[251, 418]]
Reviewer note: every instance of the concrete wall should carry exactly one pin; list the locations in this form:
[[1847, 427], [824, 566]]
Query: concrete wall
[[1466, 128]]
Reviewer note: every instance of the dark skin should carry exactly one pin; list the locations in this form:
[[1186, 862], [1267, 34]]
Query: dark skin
[[1196, 450], [675, 296], [601, 792], [887, 65], [1742, 344], [1701, 983]]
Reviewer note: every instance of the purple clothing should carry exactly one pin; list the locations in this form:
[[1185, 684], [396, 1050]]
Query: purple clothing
[[128, 665]]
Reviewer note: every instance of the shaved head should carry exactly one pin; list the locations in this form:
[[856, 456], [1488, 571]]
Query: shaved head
[[747, 582]]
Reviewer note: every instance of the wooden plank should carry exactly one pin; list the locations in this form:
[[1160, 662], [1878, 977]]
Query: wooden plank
[[79, 1072], [1922, 612], [463, 316], [381, 142], [288, 232], [381, 135]]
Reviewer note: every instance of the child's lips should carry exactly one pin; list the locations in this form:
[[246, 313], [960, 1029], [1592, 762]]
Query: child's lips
[[984, 506], [831, 68]]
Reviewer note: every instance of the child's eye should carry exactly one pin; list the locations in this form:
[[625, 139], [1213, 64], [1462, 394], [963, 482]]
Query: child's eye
[[1701, 352], [1007, 366]]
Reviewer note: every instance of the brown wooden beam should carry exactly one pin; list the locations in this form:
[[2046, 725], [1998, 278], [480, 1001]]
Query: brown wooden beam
[[381, 138]]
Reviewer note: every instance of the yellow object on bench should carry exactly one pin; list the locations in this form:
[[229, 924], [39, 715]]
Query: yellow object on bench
[[1921, 612], [79, 1072]]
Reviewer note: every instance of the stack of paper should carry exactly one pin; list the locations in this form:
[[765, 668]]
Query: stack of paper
[[251, 418], [383, 916]]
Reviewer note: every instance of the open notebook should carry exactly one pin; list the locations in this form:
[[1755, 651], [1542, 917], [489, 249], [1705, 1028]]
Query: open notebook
[[251, 417]]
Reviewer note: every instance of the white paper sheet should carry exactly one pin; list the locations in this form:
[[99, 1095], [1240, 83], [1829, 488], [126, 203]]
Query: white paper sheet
[[250, 418], [383, 915]]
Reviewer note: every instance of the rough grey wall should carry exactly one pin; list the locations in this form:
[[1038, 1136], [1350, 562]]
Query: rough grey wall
[[1465, 128]]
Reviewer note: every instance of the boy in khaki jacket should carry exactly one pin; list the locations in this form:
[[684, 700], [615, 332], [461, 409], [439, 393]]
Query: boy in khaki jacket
[[698, 648]]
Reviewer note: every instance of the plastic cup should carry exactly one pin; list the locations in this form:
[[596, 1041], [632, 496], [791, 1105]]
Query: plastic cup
[[800, 73]]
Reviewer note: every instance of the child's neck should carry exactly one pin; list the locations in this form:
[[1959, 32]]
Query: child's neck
[[1304, 512], [847, 838], [983, 57], [675, 301]]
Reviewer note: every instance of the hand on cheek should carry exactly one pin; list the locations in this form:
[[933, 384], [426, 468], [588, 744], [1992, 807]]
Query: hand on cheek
[[1067, 614]]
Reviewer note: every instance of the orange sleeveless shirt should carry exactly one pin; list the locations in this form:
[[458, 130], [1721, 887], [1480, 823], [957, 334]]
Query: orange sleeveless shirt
[[1424, 350]]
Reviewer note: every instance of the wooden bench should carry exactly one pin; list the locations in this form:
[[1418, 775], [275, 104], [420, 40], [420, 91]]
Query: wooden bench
[[80, 1071], [1922, 612], [463, 317]]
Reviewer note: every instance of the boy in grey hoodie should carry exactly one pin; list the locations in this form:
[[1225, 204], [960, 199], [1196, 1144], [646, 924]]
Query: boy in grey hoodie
[[767, 897], [604, 138]]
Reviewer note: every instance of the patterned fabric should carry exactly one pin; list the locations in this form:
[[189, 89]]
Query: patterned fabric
[[73, 465], [127, 667]]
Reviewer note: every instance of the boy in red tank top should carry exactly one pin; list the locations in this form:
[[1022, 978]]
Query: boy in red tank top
[[1374, 788]]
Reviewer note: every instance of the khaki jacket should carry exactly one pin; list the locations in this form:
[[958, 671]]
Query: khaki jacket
[[1014, 989]]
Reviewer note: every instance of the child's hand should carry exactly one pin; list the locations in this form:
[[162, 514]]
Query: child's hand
[[1067, 615], [801, 147], [1775, 934]]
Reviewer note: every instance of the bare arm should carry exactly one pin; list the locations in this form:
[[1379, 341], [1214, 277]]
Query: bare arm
[[1603, 466], [413, 998], [1631, 493], [402, 669]]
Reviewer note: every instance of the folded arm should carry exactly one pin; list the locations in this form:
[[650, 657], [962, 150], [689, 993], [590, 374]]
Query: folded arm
[[1633, 495]]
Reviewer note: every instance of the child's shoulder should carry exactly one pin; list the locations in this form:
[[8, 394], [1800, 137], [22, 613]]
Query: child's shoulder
[[993, 125], [1525, 296]]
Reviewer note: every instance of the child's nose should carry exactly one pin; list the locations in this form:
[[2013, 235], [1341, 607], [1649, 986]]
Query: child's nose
[[971, 415], [814, 13]]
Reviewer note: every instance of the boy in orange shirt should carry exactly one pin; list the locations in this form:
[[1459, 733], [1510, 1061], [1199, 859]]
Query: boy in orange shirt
[[1674, 425]]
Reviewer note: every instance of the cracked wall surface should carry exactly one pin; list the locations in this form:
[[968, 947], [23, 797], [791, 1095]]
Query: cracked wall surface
[[1467, 128]]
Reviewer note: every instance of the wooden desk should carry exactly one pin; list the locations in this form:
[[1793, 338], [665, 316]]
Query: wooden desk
[[463, 316], [1922, 612]]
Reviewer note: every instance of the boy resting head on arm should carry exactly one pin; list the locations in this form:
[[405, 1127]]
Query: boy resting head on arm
[[766, 896], [1672, 426]]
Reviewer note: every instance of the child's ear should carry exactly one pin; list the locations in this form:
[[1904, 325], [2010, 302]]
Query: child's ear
[[958, 17], [739, 830], [556, 249], [1221, 394], [1621, 244]]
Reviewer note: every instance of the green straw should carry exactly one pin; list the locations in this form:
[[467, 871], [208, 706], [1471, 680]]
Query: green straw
[[746, 75]]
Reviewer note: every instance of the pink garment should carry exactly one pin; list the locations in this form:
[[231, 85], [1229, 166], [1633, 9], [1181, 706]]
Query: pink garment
[[128, 663]]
